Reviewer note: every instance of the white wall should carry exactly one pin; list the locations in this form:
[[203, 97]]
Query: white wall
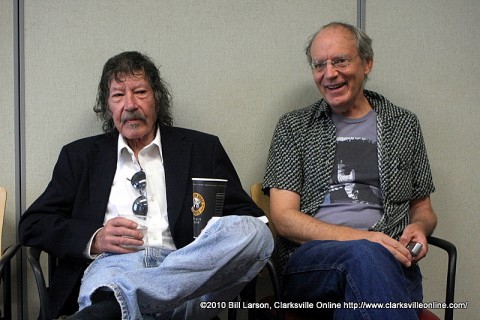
[[7, 127], [234, 67], [7, 135]]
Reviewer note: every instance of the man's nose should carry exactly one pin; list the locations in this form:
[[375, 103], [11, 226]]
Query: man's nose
[[130, 103], [330, 70]]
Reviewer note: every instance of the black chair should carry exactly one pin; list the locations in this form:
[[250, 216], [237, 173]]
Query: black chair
[[33, 255], [287, 314]]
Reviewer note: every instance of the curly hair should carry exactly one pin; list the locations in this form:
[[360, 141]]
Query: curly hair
[[132, 62]]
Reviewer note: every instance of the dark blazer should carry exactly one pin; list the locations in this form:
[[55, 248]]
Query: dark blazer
[[63, 219]]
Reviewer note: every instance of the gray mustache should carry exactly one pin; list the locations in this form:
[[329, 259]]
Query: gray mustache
[[135, 115]]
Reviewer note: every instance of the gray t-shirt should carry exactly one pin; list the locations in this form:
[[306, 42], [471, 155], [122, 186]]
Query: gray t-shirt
[[354, 198]]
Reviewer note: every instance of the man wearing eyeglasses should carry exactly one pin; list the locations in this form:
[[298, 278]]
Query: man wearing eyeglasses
[[349, 184], [143, 166]]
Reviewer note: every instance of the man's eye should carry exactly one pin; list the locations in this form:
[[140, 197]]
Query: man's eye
[[339, 61]]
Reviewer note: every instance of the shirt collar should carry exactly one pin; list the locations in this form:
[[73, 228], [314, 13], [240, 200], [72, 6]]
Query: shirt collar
[[122, 145], [323, 109]]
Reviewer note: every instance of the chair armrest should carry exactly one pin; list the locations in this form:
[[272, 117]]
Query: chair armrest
[[33, 255], [272, 270], [277, 287], [451, 271], [7, 256]]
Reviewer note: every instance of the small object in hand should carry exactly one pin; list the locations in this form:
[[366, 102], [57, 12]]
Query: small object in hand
[[414, 248]]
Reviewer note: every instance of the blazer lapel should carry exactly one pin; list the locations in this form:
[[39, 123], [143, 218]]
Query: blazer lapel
[[103, 164], [176, 153]]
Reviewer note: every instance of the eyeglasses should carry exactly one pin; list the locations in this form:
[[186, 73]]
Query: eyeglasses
[[139, 182], [340, 63]]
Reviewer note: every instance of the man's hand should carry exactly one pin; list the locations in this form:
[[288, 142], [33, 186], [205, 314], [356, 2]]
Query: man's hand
[[115, 235], [422, 223], [397, 248], [414, 232]]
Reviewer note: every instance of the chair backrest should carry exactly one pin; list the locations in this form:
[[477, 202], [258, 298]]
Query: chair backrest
[[263, 202], [260, 198], [3, 204]]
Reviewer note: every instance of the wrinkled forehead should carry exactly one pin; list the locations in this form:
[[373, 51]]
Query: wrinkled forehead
[[122, 76], [121, 80]]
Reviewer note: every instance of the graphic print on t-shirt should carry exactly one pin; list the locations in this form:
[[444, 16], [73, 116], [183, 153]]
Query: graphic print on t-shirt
[[355, 174]]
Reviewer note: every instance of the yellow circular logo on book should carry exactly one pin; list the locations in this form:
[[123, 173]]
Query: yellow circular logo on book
[[198, 204]]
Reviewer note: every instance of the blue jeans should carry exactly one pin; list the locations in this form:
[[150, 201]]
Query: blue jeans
[[344, 272], [162, 284]]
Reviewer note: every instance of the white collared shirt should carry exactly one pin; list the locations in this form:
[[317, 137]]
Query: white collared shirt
[[123, 194]]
